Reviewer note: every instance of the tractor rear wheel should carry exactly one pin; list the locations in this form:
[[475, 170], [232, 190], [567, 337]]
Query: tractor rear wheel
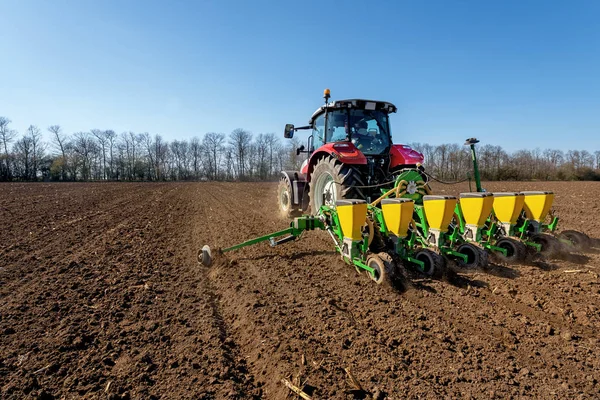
[[579, 240], [434, 265], [285, 200], [516, 251], [332, 180]]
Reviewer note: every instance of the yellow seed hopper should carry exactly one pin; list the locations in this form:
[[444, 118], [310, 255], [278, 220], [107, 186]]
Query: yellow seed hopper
[[397, 214]]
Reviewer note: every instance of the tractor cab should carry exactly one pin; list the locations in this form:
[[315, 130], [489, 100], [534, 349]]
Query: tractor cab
[[363, 123]]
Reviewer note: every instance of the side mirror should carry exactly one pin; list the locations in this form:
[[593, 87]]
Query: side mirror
[[289, 131], [299, 150]]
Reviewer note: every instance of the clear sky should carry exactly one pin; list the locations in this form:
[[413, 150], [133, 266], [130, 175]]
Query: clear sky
[[521, 74]]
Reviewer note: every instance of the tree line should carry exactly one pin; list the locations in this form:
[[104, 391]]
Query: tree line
[[450, 161], [104, 155]]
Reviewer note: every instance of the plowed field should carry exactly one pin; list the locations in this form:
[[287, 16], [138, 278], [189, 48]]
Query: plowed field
[[101, 297]]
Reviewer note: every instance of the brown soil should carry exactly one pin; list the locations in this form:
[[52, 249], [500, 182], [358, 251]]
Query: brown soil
[[101, 297]]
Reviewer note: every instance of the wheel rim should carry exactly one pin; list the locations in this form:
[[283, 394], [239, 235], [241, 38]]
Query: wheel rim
[[507, 245], [284, 199], [325, 189], [376, 274]]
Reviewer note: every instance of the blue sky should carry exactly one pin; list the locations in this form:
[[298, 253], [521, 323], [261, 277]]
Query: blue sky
[[521, 74]]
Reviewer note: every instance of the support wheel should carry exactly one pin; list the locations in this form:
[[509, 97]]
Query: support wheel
[[579, 240], [331, 181], [395, 272], [380, 269], [205, 256], [434, 265], [516, 251], [285, 200], [476, 257], [551, 247]]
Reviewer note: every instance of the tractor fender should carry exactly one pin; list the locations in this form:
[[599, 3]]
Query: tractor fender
[[344, 152], [401, 154], [297, 182]]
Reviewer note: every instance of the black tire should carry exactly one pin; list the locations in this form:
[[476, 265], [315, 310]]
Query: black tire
[[284, 200], [579, 240], [516, 251], [395, 271], [344, 179], [434, 264], [476, 257], [380, 273], [551, 247]]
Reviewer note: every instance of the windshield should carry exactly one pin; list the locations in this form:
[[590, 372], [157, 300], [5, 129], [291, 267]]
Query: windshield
[[368, 130]]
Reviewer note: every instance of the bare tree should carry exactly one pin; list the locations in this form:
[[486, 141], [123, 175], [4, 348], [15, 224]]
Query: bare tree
[[574, 159], [146, 141], [179, 149], [587, 159], [100, 136], [7, 135], [84, 145], [127, 148], [229, 163], [195, 153], [553, 160], [261, 150], [272, 146], [23, 150], [110, 137], [161, 153], [213, 146], [38, 148], [60, 143], [240, 140], [294, 160]]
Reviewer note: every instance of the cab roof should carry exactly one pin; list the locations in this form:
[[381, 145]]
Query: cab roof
[[361, 104]]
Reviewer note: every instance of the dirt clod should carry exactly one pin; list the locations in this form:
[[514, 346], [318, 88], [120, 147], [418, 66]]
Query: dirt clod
[[568, 336]]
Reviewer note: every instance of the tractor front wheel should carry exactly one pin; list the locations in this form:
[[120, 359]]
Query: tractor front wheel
[[285, 200], [331, 181]]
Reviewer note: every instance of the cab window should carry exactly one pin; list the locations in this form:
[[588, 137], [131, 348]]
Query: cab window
[[337, 126], [319, 132]]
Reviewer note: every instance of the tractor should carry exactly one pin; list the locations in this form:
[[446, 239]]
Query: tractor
[[350, 155], [374, 200]]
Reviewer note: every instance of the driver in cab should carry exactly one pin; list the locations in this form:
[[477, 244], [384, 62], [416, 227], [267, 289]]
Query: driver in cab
[[360, 134]]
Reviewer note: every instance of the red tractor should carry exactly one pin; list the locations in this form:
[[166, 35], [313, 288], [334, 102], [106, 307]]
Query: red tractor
[[350, 155]]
